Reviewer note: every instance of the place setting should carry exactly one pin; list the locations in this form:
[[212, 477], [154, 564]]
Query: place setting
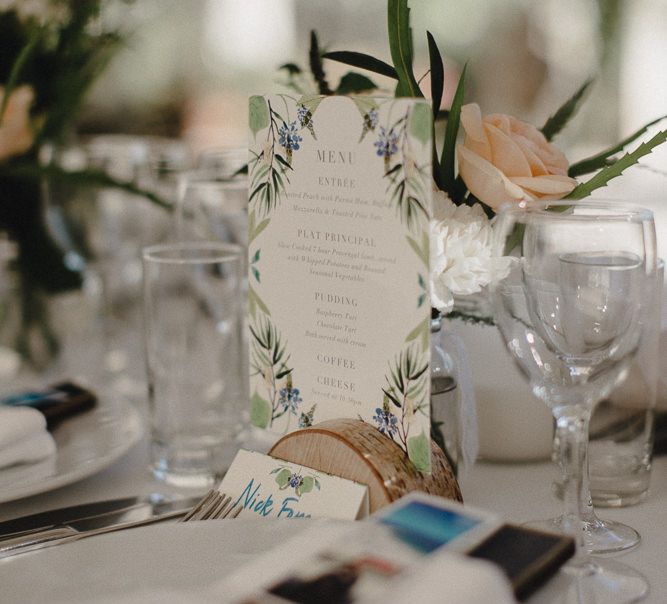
[[378, 345]]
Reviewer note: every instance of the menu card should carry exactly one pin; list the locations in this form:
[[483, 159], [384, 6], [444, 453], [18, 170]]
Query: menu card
[[339, 311]]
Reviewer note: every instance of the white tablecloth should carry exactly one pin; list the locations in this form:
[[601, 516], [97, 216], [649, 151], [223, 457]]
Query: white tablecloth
[[519, 492]]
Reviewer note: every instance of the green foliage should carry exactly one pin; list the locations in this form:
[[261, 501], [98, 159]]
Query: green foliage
[[354, 83], [419, 452], [448, 156], [315, 60], [255, 229], [437, 74], [559, 119], [282, 478], [260, 411], [363, 61], [617, 168], [60, 61], [400, 45], [421, 123], [604, 158], [422, 332], [258, 114], [23, 57]]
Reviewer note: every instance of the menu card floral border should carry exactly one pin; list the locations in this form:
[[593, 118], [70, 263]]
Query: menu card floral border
[[398, 127]]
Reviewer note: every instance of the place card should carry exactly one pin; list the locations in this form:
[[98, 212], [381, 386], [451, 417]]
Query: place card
[[267, 487], [339, 312]]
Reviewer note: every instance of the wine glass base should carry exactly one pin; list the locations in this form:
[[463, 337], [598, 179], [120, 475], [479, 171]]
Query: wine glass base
[[602, 536], [603, 582]]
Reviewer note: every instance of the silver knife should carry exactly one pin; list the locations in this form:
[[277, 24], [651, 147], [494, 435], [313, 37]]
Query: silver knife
[[78, 530], [95, 514]]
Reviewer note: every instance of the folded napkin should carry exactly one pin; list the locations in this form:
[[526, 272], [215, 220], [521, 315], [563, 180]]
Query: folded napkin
[[449, 577], [23, 436]]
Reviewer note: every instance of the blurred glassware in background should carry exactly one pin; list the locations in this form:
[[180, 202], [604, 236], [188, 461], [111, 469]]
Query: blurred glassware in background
[[103, 231], [193, 309], [621, 430], [213, 206], [46, 336], [213, 199]]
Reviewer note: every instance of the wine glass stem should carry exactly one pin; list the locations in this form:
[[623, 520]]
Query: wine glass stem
[[572, 433]]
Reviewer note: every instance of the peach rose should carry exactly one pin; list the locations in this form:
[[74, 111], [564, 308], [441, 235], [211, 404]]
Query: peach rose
[[504, 159], [16, 135]]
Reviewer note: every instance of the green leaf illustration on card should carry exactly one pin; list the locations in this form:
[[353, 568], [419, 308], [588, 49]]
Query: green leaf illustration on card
[[260, 411], [282, 478], [421, 123], [259, 114], [306, 486], [419, 452]]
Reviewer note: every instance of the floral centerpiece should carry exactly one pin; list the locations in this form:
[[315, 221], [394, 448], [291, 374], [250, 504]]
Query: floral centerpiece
[[479, 162], [53, 51], [499, 159]]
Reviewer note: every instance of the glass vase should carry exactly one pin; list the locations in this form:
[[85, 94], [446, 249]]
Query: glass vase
[[453, 411]]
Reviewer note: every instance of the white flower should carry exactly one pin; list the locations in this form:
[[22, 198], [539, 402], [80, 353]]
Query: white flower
[[462, 261]]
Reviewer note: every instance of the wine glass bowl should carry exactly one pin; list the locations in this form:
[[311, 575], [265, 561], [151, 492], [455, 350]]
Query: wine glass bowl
[[571, 311]]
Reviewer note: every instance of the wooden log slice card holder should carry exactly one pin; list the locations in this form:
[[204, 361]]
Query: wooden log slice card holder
[[357, 451]]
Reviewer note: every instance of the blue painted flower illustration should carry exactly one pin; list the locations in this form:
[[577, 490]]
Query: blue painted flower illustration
[[295, 480], [290, 399], [386, 421], [287, 479], [288, 137], [306, 419], [373, 118], [303, 114], [387, 143]]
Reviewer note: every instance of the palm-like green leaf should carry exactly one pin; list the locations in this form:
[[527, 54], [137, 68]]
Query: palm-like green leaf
[[559, 119], [602, 159], [616, 169]]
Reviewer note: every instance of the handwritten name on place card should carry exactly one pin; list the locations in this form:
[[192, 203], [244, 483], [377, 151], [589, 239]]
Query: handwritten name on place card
[[267, 487]]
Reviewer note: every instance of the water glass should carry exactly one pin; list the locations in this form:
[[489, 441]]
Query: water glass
[[212, 208], [192, 313], [621, 429]]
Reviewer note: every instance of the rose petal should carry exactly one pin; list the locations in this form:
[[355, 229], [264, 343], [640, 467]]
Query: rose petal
[[485, 181], [506, 155], [537, 166], [471, 120], [476, 139], [550, 184]]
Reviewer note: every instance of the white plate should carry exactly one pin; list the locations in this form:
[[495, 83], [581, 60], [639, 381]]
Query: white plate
[[87, 443], [161, 563]]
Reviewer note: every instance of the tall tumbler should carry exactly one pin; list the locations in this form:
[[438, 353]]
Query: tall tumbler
[[193, 309], [621, 429]]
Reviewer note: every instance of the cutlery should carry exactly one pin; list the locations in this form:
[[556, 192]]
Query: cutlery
[[96, 514], [213, 505]]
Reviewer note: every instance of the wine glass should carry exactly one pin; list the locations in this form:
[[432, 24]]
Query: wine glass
[[570, 312]]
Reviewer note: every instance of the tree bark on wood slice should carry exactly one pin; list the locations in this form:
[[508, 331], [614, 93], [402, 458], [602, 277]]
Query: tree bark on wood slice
[[355, 450]]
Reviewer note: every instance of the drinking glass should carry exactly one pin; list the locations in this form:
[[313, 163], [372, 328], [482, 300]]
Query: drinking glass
[[214, 209], [192, 308], [570, 311]]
